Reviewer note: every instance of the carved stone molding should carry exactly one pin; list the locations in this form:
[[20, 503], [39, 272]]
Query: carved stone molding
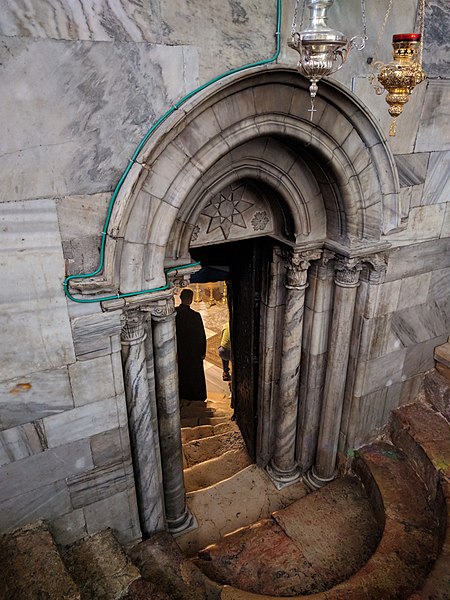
[[377, 267]]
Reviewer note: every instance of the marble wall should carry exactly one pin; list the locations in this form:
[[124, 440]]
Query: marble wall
[[80, 84]]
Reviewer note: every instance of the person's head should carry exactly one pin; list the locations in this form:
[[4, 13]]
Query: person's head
[[186, 296]]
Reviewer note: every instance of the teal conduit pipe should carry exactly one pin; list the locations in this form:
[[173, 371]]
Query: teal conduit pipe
[[152, 129]]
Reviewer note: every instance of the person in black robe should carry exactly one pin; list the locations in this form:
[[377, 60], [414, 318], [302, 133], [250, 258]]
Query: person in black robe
[[191, 347]]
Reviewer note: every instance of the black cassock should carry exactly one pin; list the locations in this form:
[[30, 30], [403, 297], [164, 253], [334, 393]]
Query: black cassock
[[191, 347]]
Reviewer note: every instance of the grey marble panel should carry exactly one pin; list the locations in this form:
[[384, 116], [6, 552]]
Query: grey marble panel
[[44, 469], [382, 299], [437, 182], [440, 284], [445, 233], [45, 502], [410, 197], [92, 380], [419, 323], [412, 168], [110, 447], [420, 357], [436, 42], [21, 442], [434, 127], [93, 110], [381, 337], [119, 512], [366, 418], [38, 395], [68, 528], [418, 258], [380, 372], [414, 291], [82, 422], [35, 333], [92, 334], [99, 484], [424, 223]]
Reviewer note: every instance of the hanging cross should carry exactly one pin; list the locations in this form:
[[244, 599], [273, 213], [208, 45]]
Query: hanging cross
[[312, 110]]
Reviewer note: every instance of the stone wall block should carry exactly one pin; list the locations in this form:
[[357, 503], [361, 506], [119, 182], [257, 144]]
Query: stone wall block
[[420, 357], [27, 399], [382, 299], [237, 107], [382, 339], [43, 502], [119, 512], [99, 484], [21, 442], [424, 223], [419, 323], [379, 372], [45, 468], [366, 418], [68, 528], [92, 334], [110, 447], [412, 168], [433, 126], [92, 380], [418, 258], [414, 291], [445, 232], [437, 182], [81, 422]]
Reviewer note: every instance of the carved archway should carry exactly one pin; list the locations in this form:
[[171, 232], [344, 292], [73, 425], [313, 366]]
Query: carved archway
[[329, 191]]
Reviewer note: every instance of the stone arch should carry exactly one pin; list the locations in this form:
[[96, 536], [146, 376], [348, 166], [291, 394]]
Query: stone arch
[[341, 156]]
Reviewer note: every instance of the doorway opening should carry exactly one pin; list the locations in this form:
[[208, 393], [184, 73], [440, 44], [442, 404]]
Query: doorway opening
[[236, 270]]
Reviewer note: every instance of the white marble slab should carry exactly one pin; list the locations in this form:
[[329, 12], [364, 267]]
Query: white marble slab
[[34, 326], [92, 380], [79, 130], [424, 223]]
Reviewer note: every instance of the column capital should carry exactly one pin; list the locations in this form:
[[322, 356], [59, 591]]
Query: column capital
[[297, 267], [133, 330], [377, 267], [161, 310], [347, 271]]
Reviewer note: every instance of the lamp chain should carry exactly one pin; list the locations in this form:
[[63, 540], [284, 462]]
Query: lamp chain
[[364, 19], [422, 27]]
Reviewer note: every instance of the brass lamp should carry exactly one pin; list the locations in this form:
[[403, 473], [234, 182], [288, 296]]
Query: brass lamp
[[401, 77]]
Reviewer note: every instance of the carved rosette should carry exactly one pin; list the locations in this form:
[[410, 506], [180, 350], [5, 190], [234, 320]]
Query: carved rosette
[[133, 331], [347, 271], [297, 268]]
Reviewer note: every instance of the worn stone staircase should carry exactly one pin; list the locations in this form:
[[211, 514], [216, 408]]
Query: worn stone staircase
[[378, 533]]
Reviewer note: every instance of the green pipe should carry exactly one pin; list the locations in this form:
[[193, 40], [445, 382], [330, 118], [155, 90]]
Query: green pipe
[[153, 128]]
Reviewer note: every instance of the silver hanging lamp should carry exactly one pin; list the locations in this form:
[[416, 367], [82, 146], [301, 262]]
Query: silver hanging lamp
[[322, 50]]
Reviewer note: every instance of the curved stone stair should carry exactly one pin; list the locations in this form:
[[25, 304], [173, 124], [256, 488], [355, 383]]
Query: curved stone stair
[[318, 541]]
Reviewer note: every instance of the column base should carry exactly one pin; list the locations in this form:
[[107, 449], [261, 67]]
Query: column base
[[315, 482], [281, 479], [182, 525]]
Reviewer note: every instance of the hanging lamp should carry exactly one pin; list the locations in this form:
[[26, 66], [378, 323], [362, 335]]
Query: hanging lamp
[[322, 50], [399, 78]]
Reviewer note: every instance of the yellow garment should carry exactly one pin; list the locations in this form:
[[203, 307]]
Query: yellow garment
[[225, 340]]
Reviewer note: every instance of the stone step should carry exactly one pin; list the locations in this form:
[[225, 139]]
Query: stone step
[[188, 434], [424, 436], [236, 502], [100, 567], [199, 421], [410, 541], [217, 469], [162, 564], [204, 449], [437, 392], [300, 549], [31, 567]]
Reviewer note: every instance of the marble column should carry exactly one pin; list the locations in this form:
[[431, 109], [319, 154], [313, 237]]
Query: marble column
[[318, 309], [283, 468], [144, 449], [167, 397], [346, 282]]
